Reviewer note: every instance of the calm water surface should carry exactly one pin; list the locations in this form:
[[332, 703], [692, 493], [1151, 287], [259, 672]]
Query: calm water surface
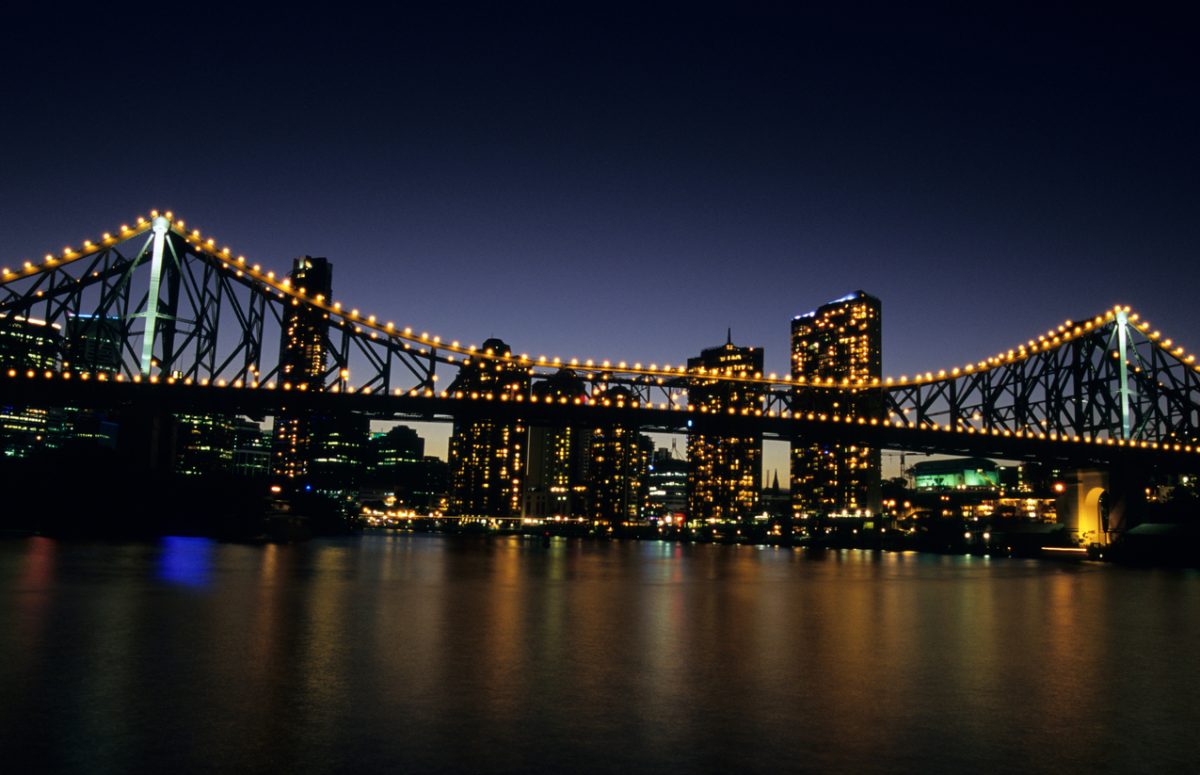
[[420, 653]]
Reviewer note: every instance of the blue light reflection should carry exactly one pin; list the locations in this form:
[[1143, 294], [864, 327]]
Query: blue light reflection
[[186, 561]]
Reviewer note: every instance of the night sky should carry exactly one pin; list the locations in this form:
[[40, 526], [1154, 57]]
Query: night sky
[[615, 183]]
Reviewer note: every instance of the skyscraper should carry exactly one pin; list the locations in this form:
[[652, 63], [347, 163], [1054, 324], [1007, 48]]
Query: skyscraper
[[557, 456], [487, 456], [668, 484], [93, 343], [618, 469], [724, 468], [839, 341], [302, 363]]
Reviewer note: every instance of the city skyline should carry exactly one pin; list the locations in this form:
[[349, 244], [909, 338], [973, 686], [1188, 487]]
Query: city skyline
[[600, 387]]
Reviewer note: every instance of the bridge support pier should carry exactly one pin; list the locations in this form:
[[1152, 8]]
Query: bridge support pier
[[1083, 503], [1097, 505]]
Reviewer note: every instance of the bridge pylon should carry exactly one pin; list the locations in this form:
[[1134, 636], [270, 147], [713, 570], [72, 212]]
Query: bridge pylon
[[1097, 505]]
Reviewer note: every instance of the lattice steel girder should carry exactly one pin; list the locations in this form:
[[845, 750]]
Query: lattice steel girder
[[212, 317]]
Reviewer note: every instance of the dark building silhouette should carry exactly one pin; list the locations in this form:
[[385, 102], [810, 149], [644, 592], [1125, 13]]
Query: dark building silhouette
[[724, 467], [302, 365], [400, 469], [251, 448], [487, 457], [840, 342], [557, 458], [204, 443], [93, 344], [337, 453]]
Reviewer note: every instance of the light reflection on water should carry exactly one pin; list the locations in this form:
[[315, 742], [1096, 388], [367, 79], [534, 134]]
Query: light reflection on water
[[436, 653]]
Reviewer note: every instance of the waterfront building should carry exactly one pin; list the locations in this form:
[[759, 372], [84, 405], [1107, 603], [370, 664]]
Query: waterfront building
[[724, 466], [618, 465], [839, 341], [401, 472], [956, 474], [302, 365], [337, 452], [487, 456], [27, 344], [668, 485], [390, 452], [556, 467]]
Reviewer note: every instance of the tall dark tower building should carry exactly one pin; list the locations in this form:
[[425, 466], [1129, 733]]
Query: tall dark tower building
[[302, 361], [487, 458], [724, 471], [842, 341]]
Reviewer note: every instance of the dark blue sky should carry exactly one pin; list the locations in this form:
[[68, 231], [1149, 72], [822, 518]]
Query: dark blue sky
[[620, 184]]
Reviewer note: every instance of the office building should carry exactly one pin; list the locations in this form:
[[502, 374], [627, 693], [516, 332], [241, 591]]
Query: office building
[[204, 443], [93, 344], [251, 448], [666, 498], [28, 345]]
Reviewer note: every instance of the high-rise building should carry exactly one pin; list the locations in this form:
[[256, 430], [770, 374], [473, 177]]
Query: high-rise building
[[487, 456], [557, 458], [251, 448], [93, 344], [839, 341], [724, 467], [204, 443], [399, 469], [337, 452], [28, 345], [302, 364], [668, 479], [617, 468]]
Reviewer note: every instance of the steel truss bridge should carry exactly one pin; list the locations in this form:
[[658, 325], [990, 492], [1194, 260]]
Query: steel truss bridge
[[197, 328]]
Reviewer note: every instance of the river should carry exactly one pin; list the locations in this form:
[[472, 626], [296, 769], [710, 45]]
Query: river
[[435, 653]]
